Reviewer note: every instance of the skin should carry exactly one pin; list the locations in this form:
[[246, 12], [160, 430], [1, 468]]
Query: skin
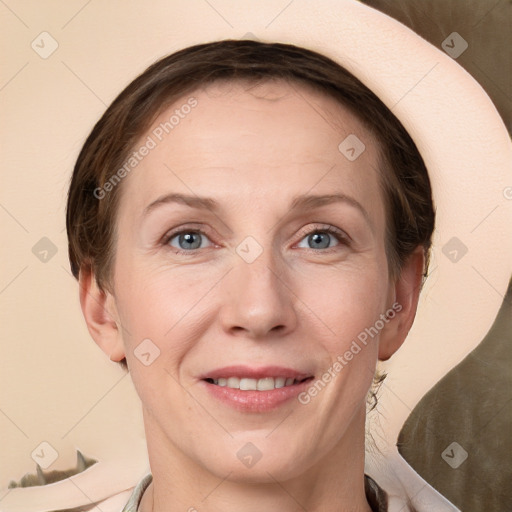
[[253, 150]]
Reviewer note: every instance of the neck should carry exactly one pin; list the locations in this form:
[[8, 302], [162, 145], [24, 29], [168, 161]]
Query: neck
[[334, 483]]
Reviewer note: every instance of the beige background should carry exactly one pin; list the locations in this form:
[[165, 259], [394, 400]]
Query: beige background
[[55, 384]]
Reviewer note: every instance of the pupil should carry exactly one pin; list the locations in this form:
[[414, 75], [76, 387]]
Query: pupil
[[192, 240], [319, 240]]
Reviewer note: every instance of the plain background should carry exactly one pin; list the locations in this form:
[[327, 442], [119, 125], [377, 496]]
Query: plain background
[[55, 384]]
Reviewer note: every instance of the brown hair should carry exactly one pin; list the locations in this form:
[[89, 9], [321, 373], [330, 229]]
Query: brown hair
[[91, 220]]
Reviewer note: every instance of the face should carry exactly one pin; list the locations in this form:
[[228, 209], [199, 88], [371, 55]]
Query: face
[[251, 253]]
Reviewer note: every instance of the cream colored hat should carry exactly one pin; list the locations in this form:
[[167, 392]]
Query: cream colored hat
[[465, 146]]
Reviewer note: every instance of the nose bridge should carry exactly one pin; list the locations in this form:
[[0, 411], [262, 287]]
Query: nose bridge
[[258, 300]]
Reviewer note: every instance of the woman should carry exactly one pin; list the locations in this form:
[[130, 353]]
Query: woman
[[250, 227]]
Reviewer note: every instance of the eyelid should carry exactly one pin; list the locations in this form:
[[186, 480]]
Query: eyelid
[[185, 228], [341, 235]]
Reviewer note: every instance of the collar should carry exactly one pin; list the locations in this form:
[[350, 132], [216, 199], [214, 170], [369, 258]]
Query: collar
[[377, 497]]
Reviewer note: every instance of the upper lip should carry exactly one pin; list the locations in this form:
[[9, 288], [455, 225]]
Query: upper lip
[[254, 373]]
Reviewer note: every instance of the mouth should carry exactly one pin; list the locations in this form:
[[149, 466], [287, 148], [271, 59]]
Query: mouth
[[255, 389], [263, 384]]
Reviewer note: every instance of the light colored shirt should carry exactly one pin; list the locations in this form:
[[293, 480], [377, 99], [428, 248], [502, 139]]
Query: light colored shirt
[[133, 503], [376, 497]]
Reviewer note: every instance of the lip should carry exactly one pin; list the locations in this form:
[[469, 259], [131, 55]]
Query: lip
[[255, 373], [255, 401]]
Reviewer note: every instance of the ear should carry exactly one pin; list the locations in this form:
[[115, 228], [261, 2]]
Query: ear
[[100, 313], [405, 293]]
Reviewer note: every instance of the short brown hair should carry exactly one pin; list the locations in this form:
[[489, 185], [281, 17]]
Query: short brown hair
[[91, 221]]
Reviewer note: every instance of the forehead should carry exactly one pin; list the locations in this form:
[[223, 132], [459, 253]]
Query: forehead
[[237, 139]]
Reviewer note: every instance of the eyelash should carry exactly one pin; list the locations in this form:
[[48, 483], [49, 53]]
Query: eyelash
[[340, 236]]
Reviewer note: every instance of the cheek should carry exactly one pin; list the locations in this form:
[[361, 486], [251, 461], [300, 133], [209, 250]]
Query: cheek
[[176, 304], [345, 300], [156, 309], [162, 304]]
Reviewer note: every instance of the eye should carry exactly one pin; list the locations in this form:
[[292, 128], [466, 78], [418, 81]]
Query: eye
[[188, 240], [324, 238]]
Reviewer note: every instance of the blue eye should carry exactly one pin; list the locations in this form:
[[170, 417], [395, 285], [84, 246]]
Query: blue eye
[[188, 240], [323, 239], [319, 240]]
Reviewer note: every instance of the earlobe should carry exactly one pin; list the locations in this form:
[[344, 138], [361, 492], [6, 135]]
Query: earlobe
[[407, 289], [98, 308]]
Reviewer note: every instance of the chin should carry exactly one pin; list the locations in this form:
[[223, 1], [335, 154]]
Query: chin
[[249, 464], [261, 473]]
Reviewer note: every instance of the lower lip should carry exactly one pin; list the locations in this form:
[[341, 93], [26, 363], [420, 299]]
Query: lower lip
[[256, 401]]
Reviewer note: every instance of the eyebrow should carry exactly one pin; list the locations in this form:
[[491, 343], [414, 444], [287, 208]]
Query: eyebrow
[[309, 202], [303, 202], [200, 203]]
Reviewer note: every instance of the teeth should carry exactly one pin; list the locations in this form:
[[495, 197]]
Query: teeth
[[247, 384], [233, 382], [265, 384], [280, 382]]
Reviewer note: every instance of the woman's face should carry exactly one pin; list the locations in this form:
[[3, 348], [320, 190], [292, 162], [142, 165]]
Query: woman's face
[[251, 245]]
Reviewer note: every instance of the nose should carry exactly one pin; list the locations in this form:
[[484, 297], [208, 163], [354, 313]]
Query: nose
[[258, 302]]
